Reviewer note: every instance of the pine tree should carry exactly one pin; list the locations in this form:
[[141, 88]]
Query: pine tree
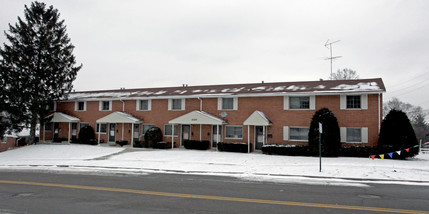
[[38, 66], [397, 134], [331, 144]]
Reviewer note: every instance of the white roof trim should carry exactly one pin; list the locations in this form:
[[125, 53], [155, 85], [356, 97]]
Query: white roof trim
[[119, 117], [197, 117], [257, 118], [58, 117]]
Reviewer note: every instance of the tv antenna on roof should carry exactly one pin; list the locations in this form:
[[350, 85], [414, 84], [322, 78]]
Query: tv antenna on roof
[[329, 46]]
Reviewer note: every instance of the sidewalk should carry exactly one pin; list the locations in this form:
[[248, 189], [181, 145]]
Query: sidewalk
[[247, 166]]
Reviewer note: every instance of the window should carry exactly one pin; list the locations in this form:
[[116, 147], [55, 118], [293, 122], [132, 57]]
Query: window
[[298, 133], [143, 105], [353, 102], [147, 127], [81, 125], [105, 105], [234, 132], [354, 135], [167, 130], [80, 106], [299, 102], [227, 103], [176, 104], [103, 128], [48, 127]]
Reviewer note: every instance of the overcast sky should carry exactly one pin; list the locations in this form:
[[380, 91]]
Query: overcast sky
[[137, 44]]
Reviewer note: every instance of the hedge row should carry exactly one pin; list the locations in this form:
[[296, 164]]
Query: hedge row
[[197, 144], [293, 150], [233, 147]]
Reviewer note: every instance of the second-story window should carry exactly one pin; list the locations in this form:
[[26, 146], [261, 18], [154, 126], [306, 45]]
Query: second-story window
[[353, 102], [227, 103], [176, 104], [105, 105], [80, 106], [299, 102]]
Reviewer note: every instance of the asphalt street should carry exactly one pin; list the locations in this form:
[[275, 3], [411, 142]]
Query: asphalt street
[[48, 192]]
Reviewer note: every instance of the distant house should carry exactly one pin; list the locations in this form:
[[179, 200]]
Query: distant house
[[13, 140], [258, 113]]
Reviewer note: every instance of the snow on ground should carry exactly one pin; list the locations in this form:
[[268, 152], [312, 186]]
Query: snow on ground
[[252, 166]]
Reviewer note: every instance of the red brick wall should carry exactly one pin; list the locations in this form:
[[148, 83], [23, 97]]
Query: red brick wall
[[271, 106], [9, 144]]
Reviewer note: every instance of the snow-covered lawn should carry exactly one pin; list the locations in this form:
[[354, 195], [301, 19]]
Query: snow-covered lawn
[[247, 166]]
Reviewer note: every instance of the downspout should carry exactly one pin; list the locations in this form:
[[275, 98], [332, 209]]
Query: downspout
[[201, 103], [379, 112], [123, 105]]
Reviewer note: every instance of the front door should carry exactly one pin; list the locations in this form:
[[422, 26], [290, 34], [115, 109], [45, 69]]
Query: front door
[[186, 133], [74, 132], [112, 132], [56, 131], [259, 137], [215, 135]]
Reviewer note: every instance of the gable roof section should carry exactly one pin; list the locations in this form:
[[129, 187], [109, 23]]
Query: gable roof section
[[119, 117], [58, 117], [252, 89], [257, 118], [197, 117]]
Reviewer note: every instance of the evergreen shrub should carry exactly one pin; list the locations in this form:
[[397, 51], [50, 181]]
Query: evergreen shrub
[[153, 136], [233, 147], [282, 149], [197, 144], [87, 135], [331, 142], [397, 134]]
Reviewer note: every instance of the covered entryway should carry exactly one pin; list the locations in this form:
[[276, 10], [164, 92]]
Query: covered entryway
[[197, 118], [57, 118], [260, 122], [118, 118]]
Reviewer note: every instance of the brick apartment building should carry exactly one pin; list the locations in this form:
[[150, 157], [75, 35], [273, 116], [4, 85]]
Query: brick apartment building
[[259, 113]]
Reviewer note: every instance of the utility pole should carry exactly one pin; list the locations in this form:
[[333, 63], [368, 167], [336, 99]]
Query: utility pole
[[329, 46]]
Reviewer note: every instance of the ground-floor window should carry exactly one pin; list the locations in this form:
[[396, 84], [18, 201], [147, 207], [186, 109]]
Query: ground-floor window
[[354, 135], [298, 133], [168, 130], [81, 125], [234, 132], [103, 129]]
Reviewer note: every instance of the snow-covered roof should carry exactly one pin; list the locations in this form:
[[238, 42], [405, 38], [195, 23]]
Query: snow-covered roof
[[58, 117], [197, 117], [253, 89], [119, 117]]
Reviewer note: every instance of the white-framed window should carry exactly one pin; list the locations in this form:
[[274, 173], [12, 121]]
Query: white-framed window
[[299, 102], [176, 104], [147, 127], [295, 133], [144, 105], [101, 128], [354, 134], [234, 132], [168, 130], [354, 101], [227, 103], [105, 105], [81, 125], [80, 106]]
